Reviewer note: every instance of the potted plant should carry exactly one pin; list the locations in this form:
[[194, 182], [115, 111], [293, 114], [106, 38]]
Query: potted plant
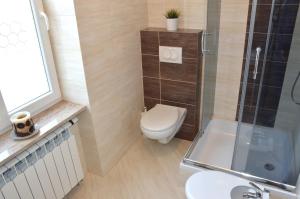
[[172, 16]]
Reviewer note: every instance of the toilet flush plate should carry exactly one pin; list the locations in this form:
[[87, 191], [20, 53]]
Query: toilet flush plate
[[170, 54]]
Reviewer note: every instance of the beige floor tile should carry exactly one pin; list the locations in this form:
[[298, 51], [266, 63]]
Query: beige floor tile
[[148, 170]]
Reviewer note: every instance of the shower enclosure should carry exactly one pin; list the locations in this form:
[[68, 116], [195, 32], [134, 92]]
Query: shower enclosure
[[266, 132], [262, 142]]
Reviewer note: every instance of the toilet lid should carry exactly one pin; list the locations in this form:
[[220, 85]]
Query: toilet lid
[[160, 118]]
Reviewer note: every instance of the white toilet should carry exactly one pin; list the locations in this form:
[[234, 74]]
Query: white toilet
[[162, 122]]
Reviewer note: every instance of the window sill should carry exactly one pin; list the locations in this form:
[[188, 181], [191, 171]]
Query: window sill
[[48, 121]]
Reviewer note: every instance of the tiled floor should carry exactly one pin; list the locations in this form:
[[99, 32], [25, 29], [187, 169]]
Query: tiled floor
[[148, 170]]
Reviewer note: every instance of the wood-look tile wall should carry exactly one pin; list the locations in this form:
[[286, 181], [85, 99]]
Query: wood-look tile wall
[[233, 24], [173, 84], [70, 71], [193, 12], [109, 34], [283, 23]]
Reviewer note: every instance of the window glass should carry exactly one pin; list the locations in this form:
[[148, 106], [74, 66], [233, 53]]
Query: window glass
[[23, 74]]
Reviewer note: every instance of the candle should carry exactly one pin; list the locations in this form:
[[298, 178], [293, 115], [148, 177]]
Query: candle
[[22, 123]]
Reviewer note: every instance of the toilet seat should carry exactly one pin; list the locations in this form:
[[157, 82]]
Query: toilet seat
[[162, 122], [160, 118]]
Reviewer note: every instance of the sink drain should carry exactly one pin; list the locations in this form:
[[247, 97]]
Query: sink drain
[[269, 167]]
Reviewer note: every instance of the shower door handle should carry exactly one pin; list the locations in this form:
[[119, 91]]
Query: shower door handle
[[46, 19], [258, 50], [203, 42]]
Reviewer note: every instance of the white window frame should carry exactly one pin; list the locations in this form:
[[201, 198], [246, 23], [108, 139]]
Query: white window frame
[[45, 101], [4, 118]]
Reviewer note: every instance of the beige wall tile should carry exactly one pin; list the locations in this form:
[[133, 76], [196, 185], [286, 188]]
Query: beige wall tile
[[110, 43], [88, 139], [231, 43], [66, 49], [76, 132], [231, 49], [193, 13], [101, 67], [68, 60]]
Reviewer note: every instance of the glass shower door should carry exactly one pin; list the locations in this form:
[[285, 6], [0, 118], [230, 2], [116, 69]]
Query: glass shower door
[[210, 42], [268, 131]]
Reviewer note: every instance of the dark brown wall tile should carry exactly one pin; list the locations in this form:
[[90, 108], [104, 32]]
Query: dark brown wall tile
[[191, 111], [188, 42], [151, 87], [149, 42], [200, 62], [248, 114], [261, 18], [279, 47], [173, 84], [150, 66], [280, 2], [151, 102], [273, 75], [251, 94], [266, 117], [280, 25], [269, 97], [178, 92], [187, 132], [283, 23], [187, 71]]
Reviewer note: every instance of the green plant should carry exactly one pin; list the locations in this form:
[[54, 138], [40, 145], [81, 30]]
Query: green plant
[[172, 14]]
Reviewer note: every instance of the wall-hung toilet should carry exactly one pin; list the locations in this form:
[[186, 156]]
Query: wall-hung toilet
[[162, 122]]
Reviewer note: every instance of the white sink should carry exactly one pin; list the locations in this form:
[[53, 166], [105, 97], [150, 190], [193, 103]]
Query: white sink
[[214, 185]]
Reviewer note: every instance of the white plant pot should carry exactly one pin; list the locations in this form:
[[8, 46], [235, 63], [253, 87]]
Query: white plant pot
[[172, 24]]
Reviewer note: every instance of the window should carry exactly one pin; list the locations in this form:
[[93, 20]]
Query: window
[[27, 74]]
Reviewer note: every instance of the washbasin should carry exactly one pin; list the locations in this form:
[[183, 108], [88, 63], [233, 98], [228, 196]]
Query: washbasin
[[219, 185]]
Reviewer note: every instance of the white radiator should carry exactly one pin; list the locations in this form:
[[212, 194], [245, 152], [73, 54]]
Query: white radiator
[[47, 170]]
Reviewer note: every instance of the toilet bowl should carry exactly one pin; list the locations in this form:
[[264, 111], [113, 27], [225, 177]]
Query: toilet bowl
[[162, 122]]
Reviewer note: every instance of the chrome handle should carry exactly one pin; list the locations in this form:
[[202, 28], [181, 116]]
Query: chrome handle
[[203, 43], [258, 50], [256, 186], [46, 20], [259, 188], [258, 192]]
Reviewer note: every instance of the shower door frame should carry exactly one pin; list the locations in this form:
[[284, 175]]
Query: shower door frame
[[190, 162], [187, 158]]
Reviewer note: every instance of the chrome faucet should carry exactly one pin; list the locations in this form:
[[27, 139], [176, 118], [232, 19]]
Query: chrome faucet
[[252, 192], [257, 195], [258, 192]]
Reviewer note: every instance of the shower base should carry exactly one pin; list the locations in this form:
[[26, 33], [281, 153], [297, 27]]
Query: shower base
[[216, 146], [271, 156], [266, 152]]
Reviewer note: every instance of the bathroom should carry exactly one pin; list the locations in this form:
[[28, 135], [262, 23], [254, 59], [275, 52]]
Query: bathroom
[[119, 103]]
